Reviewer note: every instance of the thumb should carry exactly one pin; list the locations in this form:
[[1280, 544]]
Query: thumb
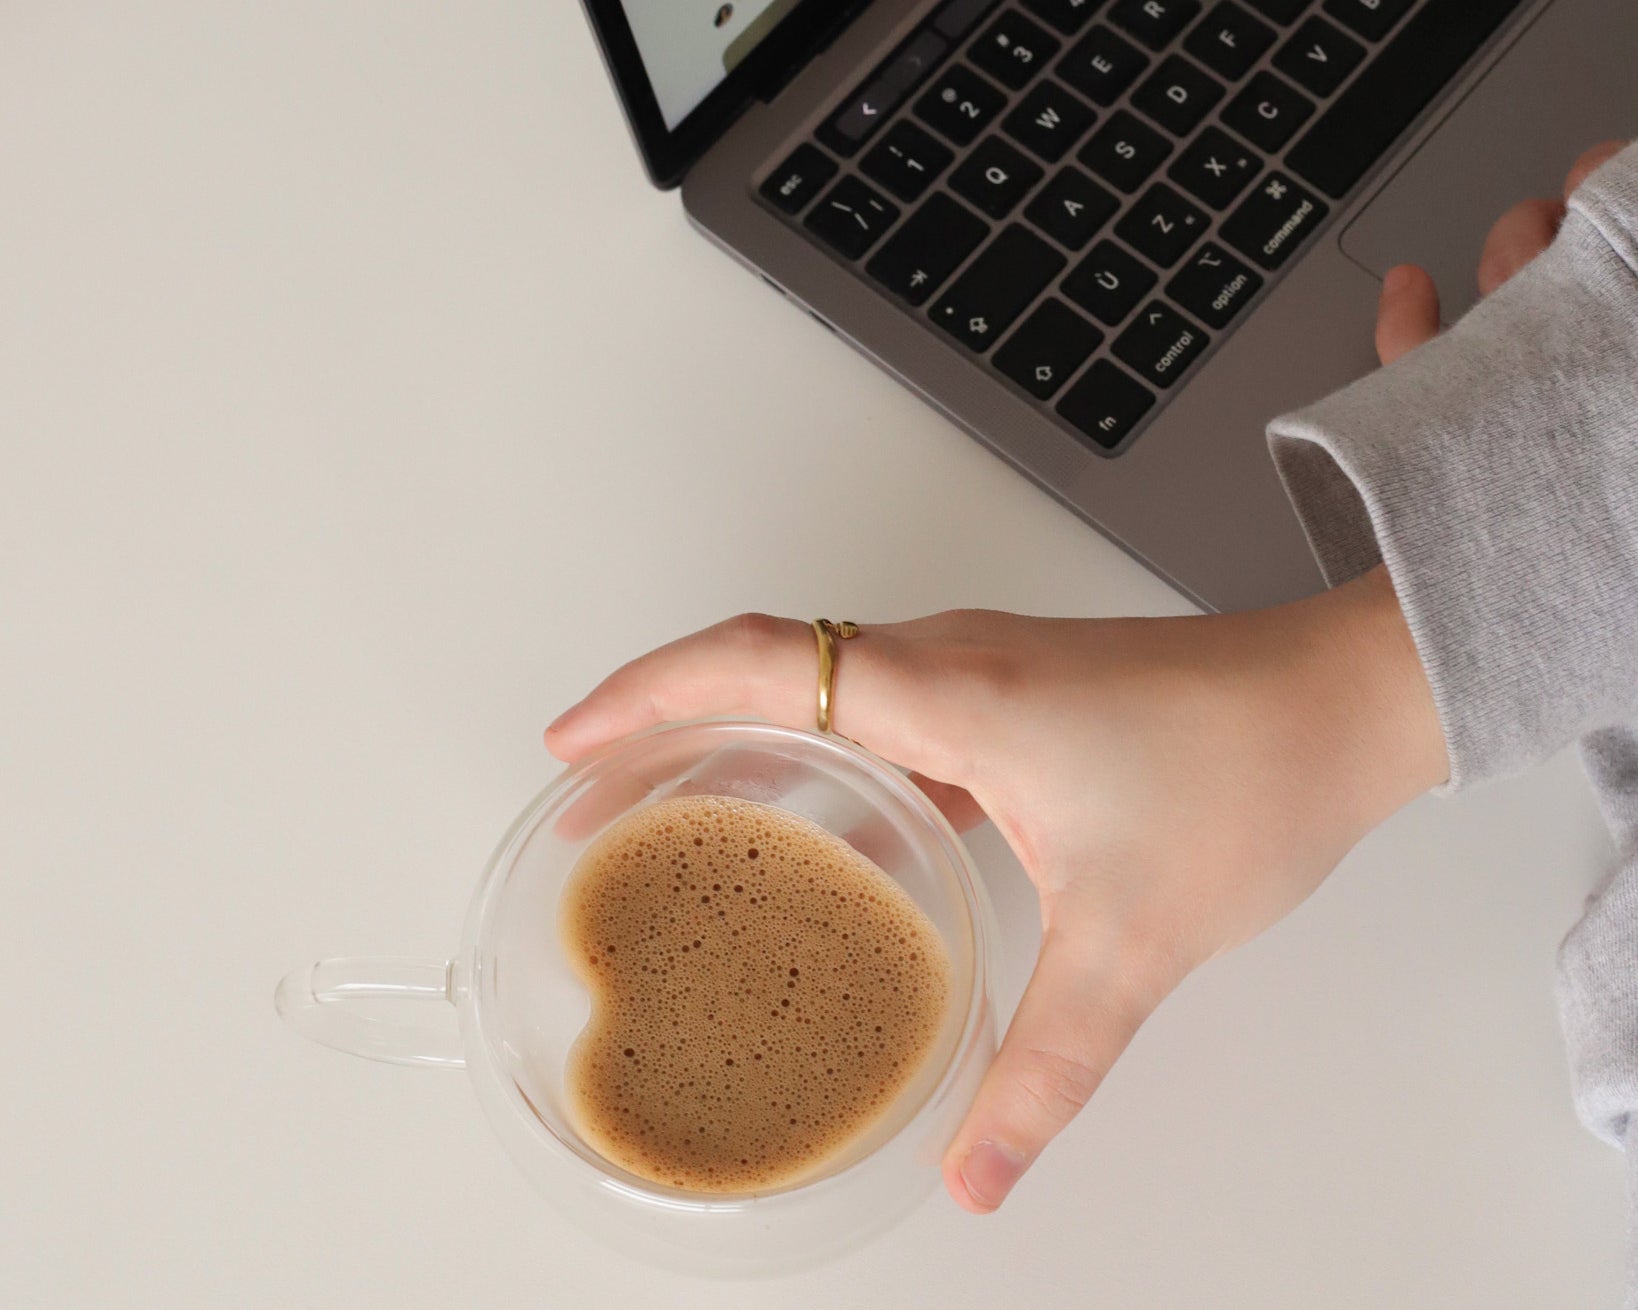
[[1077, 1015], [1407, 314]]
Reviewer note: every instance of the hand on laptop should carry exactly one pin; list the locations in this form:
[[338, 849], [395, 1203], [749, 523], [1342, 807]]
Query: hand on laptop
[[1409, 310]]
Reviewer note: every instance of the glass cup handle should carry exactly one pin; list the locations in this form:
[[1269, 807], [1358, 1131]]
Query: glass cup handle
[[376, 1008]]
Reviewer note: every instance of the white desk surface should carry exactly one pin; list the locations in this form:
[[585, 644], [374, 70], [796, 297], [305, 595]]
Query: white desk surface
[[361, 405]]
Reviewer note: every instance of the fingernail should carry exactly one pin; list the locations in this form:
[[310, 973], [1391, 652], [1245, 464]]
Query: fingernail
[[557, 723], [989, 1172]]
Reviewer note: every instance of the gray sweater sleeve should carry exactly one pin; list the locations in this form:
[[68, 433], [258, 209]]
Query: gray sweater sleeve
[[1495, 472]]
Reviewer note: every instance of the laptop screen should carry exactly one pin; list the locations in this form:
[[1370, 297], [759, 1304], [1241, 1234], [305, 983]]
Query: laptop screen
[[689, 46]]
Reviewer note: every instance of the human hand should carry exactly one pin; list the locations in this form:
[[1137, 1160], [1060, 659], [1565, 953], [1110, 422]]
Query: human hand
[[1172, 787], [1408, 313]]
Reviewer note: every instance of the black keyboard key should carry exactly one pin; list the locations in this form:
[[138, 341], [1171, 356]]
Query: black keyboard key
[[852, 216], [1272, 221], [1229, 41], [1160, 344], [1068, 16], [1213, 285], [1105, 404], [1013, 50], [1319, 57], [919, 56], [1051, 344], [927, 248], [1267, 112], [1108, 282], [1281, 11], [998, 286], [1215, 168], [1395, 87], [906, 160], [959, 17], [1124, 151], [1154, 22], [860, 117], [995, 177], [1162, 225], [1177, 95], [1071, 208], [799, 179], [857, 120], [959, 104], [1048, 120], [1372, 19], [1102, 65]]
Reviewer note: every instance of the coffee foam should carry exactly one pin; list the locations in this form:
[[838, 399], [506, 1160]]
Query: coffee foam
[[760, 994]]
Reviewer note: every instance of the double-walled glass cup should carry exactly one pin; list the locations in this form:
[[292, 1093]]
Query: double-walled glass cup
[[508, 1007]]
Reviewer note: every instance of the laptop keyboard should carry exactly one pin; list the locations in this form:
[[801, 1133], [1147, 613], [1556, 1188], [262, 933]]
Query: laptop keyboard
[[1087, 194]]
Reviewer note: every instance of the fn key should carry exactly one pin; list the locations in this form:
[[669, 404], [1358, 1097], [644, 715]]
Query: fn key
[[1105, 404]]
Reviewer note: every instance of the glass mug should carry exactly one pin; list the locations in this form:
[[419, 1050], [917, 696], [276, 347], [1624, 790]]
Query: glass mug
[[508, 1007]]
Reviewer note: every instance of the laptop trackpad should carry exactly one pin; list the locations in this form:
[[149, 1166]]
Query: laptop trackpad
[[1566, 84]]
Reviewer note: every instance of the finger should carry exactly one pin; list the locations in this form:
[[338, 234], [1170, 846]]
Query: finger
[[752, 664], [1075, 1019], [955, 803], [1518, 236], [1407, 313], [1589, 161], [765, 668]]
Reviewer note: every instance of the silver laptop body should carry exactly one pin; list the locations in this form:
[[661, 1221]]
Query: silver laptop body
[[1186, 487]]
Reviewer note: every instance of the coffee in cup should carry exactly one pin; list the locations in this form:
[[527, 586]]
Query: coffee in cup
[[761, 992]]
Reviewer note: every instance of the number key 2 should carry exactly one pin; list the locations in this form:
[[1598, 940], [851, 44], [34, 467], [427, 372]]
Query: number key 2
[[959, 104]]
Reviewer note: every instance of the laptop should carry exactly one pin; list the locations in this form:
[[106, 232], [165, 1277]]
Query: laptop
[[1111, 238]]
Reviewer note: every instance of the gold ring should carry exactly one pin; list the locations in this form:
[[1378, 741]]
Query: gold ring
[[827, 634]]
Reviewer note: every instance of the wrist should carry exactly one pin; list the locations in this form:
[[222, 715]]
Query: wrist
[[1371, 696]]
